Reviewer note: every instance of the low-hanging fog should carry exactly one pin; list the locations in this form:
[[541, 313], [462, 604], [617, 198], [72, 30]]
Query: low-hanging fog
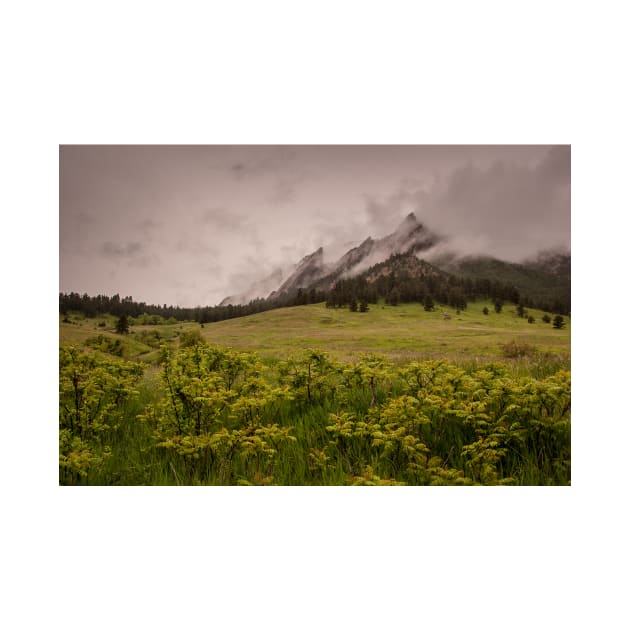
[[189, 225]]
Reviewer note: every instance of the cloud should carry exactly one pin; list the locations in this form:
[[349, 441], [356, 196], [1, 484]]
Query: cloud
[[265, 160], [224, 219], [132, 254], [117, 250], [505, 209], [147, 227]]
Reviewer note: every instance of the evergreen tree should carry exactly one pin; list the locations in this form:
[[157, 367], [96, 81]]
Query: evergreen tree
[[498, 305], [394, 297], [428, 303], [531, 319], [520, 310], [122, 325], [485, 310], [558, 322], [353, 305], [363, 307], [546, 318]]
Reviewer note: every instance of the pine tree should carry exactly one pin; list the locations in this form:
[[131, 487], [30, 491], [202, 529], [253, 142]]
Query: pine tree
[[353, 305], [485, 310], [498, 306], [363, 307], [428, 303], [393, 297], [122, 325], [558, 322]]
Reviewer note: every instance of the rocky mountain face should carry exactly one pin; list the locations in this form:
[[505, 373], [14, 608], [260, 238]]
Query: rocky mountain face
[[411, 236], [546, 277], [310, 269]]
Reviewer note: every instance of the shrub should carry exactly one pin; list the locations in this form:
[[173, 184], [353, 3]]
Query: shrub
[[190, 338], [106, 344]]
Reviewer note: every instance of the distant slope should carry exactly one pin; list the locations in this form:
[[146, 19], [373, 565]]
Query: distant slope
[[545, 281], [403, 332]]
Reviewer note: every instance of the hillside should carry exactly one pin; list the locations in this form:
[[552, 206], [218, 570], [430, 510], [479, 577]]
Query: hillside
[[545, 281]]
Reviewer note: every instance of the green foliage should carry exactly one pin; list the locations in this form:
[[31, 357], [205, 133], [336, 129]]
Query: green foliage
[[190, 338], [219, 416], [153, 338], [93, 393], [106, 344], [216, 406], [546, 318]]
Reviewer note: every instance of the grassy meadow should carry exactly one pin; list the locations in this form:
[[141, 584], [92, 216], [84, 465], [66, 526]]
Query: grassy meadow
[[309, 395], [402, 333]]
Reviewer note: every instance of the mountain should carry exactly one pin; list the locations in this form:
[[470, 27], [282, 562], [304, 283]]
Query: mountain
[[410, 236], [310, 269], [543, 281]]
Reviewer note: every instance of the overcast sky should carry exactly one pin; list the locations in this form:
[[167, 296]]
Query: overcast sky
[[189, 225]]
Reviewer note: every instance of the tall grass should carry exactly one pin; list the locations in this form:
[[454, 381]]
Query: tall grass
[[367, 422]]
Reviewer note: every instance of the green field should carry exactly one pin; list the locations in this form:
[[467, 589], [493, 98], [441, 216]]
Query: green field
[[402, 333], [309, 395]]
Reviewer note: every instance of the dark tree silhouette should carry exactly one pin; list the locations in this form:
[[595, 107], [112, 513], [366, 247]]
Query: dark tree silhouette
[[122, 325], [558, 322]]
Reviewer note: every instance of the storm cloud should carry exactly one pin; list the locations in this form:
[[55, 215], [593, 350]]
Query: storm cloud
[[192, 224]]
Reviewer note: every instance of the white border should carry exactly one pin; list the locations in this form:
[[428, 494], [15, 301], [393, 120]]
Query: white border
[[344, 72]]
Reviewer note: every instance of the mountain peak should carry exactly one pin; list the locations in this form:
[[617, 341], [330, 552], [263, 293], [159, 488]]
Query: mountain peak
[[410, 222]]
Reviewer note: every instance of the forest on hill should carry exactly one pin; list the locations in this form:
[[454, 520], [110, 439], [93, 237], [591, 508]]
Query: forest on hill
[[401, 278]]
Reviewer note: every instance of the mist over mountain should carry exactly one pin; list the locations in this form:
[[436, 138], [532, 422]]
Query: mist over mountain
[[256, 290], [544, 276], [410, 237]]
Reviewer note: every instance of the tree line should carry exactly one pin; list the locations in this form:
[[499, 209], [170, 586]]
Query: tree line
[[396, 286]]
